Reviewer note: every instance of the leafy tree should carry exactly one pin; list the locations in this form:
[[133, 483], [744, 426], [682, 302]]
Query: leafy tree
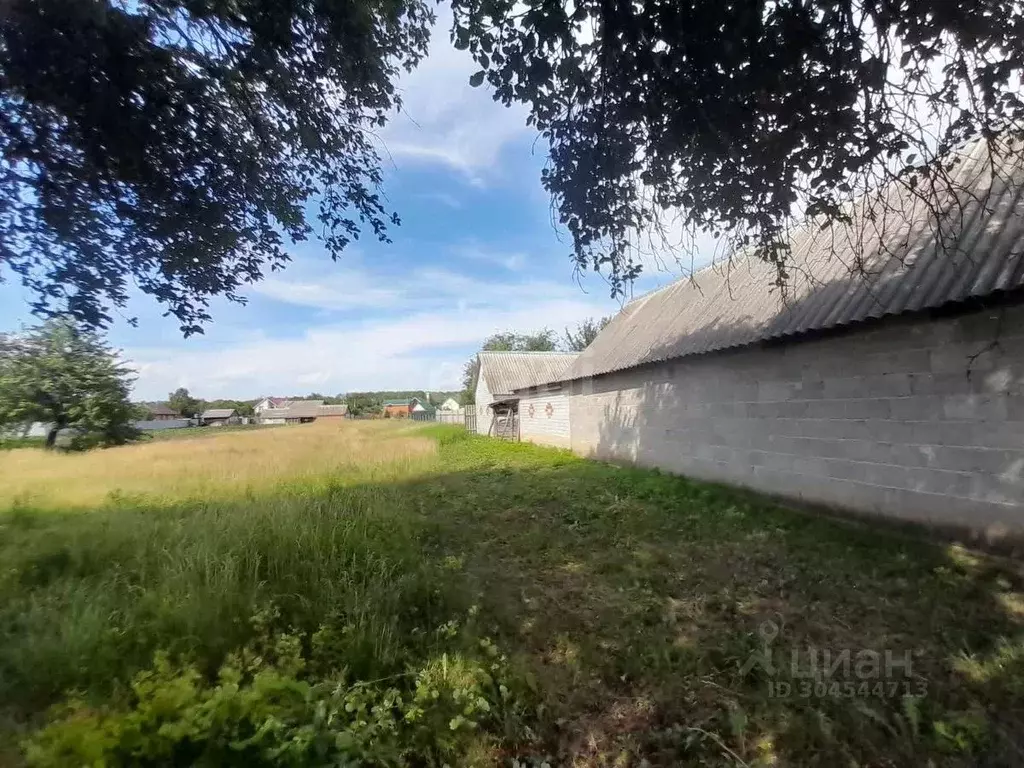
[[65, 378], [579, 339], [181, 401], [470, 374], [141, 412], [175, 144], [735, 117], [363, 404], [542, 341]]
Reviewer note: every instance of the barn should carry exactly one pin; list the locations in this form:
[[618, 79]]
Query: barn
[[218, 417], [303, 412], [888, 378], [519, 395]]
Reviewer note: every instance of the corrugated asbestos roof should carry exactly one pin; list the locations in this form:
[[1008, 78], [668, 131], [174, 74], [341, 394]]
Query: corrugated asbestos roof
[[506, 372], [306, 409], [218, 413], [896, 256], [297, 409]]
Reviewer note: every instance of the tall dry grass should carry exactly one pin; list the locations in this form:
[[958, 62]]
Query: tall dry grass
[[209, 466], [106, 557]]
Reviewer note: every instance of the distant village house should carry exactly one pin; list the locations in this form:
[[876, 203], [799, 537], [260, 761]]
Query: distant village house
[[280, 411], [451, 405], [270, 404], [217, 417], [163, 413], [397, 409]]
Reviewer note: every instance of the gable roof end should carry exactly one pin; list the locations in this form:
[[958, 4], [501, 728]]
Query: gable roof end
[[505, 372]]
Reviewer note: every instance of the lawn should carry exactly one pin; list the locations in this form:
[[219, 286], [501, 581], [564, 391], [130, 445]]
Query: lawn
[[392, 594]]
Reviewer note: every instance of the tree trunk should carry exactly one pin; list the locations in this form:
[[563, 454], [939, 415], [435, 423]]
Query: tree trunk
[[51, 435]]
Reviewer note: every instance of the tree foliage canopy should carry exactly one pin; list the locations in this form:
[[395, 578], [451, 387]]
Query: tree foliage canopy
[[175, 143], [578, 339], [65, 378], [182, 401], [544, 340], [674, 117], [364, 403]]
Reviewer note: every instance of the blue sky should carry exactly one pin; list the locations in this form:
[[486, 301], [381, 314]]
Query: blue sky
[[477, 253]]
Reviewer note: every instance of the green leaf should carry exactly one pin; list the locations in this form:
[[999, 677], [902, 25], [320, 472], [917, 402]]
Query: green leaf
[[476, 79]]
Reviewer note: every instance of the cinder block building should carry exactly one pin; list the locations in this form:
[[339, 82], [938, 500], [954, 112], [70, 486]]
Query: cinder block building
[[519, 395], [887, 378]]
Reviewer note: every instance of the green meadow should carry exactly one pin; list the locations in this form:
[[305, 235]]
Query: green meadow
[[374, 593]]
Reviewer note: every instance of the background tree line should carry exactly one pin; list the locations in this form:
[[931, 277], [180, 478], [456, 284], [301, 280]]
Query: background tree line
[[69, 379], [358, 403]]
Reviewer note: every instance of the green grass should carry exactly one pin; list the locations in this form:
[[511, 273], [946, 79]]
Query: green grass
[[156, 434], [628, 602], [190, 432], [12, 443]]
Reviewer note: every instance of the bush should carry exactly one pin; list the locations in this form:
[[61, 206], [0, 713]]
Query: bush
[[270, 706]]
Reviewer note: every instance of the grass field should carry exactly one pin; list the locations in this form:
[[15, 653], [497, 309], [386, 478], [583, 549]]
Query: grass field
[[390, 594]]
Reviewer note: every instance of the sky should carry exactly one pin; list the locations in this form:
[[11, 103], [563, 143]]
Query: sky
[[477, 253]]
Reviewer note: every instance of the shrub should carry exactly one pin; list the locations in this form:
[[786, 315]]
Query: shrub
[[266, 707]]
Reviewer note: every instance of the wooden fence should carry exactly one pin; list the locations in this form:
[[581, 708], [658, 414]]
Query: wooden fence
[[467, 418]]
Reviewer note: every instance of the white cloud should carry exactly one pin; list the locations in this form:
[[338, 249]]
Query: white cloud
[[442, 197], [446, 121], [421, 289], [671, 251], [422, 350], [343, 289], [403, 329], [512, 261]]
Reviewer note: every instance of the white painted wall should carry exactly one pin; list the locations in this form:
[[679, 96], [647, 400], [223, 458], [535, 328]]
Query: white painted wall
[[36, 429], [483, 399], [544, 417]]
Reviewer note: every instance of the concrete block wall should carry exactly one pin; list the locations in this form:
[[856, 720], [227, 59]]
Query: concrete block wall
[[548, 423], [921, 419]]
